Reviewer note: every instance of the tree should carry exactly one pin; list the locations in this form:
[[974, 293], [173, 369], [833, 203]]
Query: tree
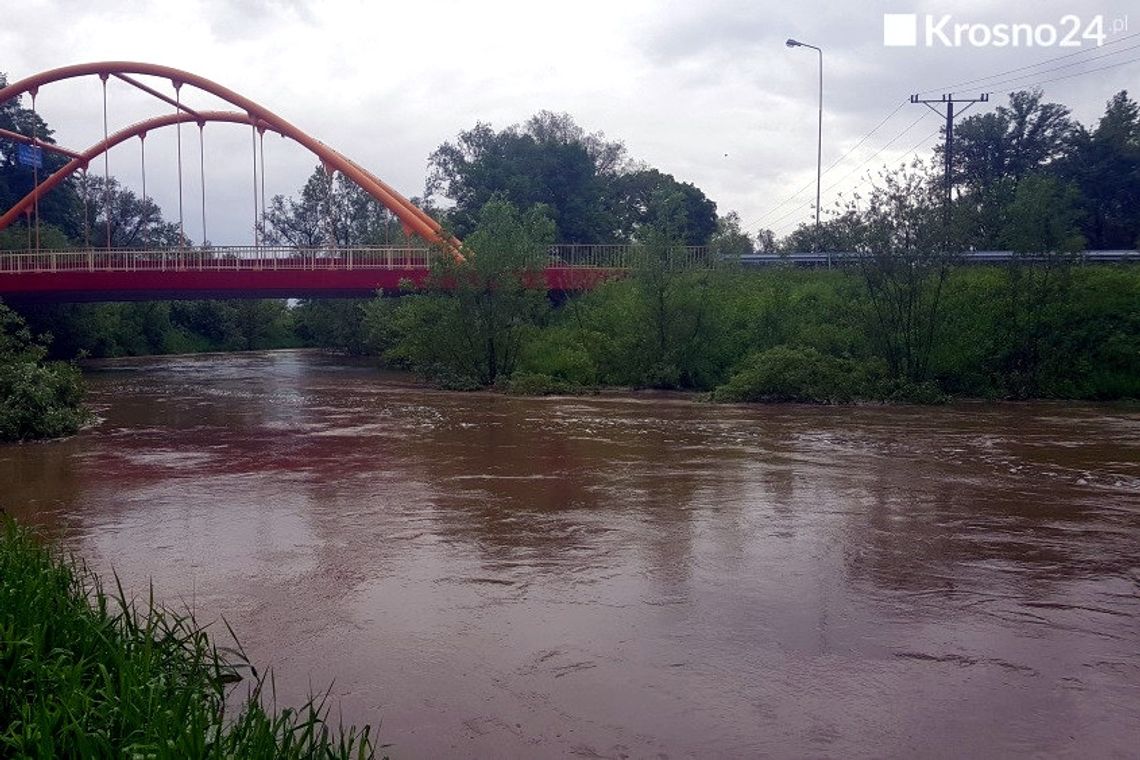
[[648, 198], [673, 323], [730, 242], [468, 328], [1011, 141], [1043, 229], [134, 222], [330, 209], [19, 237], [662, 327], [766, 241], [235, 325], [1105, 165], [59, 207], [904, 251], [833, 234], [333, 323], [593, 192], [547, 161], [994, 151]]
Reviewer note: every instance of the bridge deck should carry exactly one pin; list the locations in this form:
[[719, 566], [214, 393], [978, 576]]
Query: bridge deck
[[161, 274]]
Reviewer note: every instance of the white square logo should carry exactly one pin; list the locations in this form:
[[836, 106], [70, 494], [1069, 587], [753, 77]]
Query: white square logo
[[900, 29]]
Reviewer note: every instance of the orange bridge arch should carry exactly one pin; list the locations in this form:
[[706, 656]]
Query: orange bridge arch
[[412, 217]]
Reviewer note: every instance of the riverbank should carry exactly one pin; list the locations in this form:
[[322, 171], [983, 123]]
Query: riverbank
[[757, 388], [90, 673]]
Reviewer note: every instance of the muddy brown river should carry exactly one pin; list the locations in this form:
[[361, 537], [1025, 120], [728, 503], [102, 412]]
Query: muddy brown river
[[612, 577]]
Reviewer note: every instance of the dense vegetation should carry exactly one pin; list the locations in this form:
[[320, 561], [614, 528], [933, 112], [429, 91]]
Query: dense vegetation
[[164, 327], [780, 334], [38, 399], [88, 673]]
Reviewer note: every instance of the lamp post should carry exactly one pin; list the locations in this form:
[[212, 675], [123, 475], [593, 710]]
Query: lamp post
[[819, 145]]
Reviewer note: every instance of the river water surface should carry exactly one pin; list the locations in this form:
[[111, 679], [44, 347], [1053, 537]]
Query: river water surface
[[615, 577]]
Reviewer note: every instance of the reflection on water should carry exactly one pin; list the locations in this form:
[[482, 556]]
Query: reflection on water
[[615, 577]]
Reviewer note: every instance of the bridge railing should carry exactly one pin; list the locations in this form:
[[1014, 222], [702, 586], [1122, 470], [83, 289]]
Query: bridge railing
[[269, 257], [234, 258]]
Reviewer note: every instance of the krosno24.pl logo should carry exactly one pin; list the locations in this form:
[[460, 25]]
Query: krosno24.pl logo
[[903, 30]]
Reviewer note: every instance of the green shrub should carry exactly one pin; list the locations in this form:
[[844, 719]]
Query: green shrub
[[37, 399], [538, 384], [785, 373], [558, 352], [40, 400]]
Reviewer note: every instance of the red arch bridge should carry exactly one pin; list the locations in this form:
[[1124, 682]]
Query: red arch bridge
[[101, 271], [100, 274]]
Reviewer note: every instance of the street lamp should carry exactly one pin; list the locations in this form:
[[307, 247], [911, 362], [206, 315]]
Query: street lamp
[[819, 146]]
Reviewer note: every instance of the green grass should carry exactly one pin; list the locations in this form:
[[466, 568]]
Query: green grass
[[87, 673]]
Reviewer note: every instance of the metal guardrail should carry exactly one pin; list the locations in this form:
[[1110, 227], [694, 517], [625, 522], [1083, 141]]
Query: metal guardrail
[[848, 258], [262, 258]]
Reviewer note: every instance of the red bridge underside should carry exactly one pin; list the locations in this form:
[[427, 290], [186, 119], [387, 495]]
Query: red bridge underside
[[176, 285]]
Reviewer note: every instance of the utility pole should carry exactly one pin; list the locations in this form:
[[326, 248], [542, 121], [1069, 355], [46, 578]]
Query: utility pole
[[949, 101]]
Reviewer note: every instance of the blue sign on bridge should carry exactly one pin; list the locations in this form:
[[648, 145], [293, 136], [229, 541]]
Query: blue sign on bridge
[[30, 155]]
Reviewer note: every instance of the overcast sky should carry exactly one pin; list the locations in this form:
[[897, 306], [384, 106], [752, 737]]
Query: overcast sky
[[703, 89]]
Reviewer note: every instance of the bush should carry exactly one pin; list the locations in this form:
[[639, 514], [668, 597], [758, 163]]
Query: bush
[[558, 352], [785, 373], [538, 384], [40, 400], [37, 399]]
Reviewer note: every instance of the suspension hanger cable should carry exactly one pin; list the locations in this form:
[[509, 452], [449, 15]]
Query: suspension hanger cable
[[142, 164], [253, 142], [329, 209], [106, 166], [202, 173], [36, 171], [261, 145], [178, 129], [86, 212]]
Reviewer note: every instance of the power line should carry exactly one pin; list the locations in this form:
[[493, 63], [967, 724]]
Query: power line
[[1078, 73], [1081, 62], [834, 164], [911, 151], [951, 87], [859, 166]]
